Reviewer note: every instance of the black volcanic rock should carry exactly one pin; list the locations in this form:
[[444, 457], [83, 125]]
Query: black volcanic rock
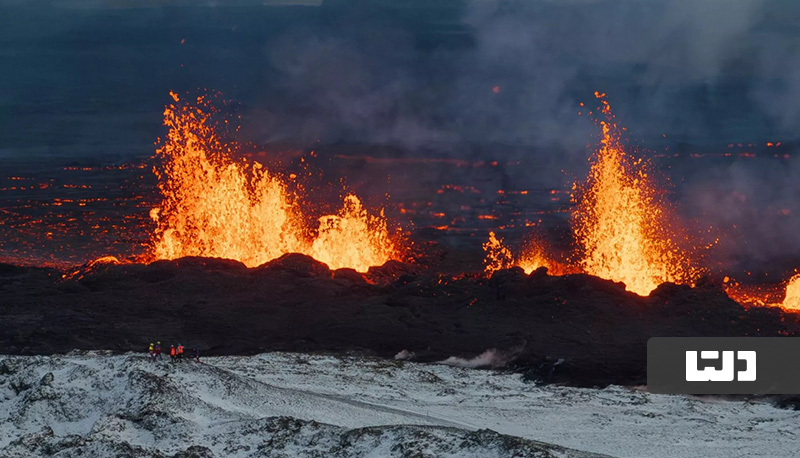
[[574, 329], [394, 271], [297, 264], [349, 275]]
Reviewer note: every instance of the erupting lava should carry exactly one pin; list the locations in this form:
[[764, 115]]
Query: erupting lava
[[353, 238], [499, 256], [624, 231], [785, 295], [216, 206], [792, 299]]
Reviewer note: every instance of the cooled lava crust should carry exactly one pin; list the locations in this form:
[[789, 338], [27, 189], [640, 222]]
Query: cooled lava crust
[[575, 329]]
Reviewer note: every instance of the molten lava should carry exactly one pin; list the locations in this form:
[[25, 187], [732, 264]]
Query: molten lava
[[785, 295], [792, 299], [216, 206], [624, 231], [499, 256], [353, 238]]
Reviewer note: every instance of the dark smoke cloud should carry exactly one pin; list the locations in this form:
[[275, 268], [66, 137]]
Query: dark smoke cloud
[[752, 203], [667, 66], [705, 73], [420, 74]]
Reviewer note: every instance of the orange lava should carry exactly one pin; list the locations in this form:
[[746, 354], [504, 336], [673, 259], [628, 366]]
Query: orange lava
[[499, 256], [785, 295], [757, 295], [624, 231], [79, 272], [792, 299], [214, 205]]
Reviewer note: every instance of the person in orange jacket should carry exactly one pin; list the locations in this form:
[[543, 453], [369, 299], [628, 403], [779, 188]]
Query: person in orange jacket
[[172, 353], [180, 352]]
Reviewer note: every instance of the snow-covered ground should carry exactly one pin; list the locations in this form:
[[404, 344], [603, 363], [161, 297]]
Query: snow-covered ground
[[284, 404]]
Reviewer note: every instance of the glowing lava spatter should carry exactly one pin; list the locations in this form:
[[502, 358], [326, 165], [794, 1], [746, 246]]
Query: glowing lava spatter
[[624, 231], [499, 256], [353, 238], [785, 295], [792, 299], [215, 206]]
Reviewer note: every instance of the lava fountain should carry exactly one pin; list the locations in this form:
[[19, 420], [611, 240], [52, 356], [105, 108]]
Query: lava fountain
[[214, 205], [499, 256], [624, 231]]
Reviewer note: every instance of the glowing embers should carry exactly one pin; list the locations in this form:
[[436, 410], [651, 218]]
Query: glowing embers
[[214, 205], [499, 256]]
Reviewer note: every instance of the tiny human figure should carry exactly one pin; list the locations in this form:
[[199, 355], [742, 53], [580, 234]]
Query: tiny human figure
[[197, 354], [180, 352], [172, 353], [158, 351], [151, 351]]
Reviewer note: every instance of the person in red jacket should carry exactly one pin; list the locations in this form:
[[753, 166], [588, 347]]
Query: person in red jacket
[[180, 352], [158, 351]]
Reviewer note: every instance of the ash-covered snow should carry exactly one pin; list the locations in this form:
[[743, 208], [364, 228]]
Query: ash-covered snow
[[286, 404]]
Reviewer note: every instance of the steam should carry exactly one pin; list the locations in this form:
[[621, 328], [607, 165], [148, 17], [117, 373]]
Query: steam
[[659, 61], [753, 204], [490, 358], [404, 355]]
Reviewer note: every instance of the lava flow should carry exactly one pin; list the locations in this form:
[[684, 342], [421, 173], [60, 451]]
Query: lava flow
[[216, 206], [785, 295]]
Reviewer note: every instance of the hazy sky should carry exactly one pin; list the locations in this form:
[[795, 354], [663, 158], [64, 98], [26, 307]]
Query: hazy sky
[[91, 76], [480, 79]]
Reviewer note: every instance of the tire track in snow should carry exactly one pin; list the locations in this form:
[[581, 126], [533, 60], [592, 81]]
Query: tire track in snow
[[433, 420]]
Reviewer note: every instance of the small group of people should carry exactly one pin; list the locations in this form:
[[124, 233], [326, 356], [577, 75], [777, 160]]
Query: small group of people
[[175, 353]]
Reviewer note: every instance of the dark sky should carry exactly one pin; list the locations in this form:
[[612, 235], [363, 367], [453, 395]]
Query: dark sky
[[91, 77]]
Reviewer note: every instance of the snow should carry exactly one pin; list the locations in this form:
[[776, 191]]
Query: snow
[[289, 404]]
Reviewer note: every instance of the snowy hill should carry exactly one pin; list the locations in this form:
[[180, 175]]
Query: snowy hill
[[282, 405]]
